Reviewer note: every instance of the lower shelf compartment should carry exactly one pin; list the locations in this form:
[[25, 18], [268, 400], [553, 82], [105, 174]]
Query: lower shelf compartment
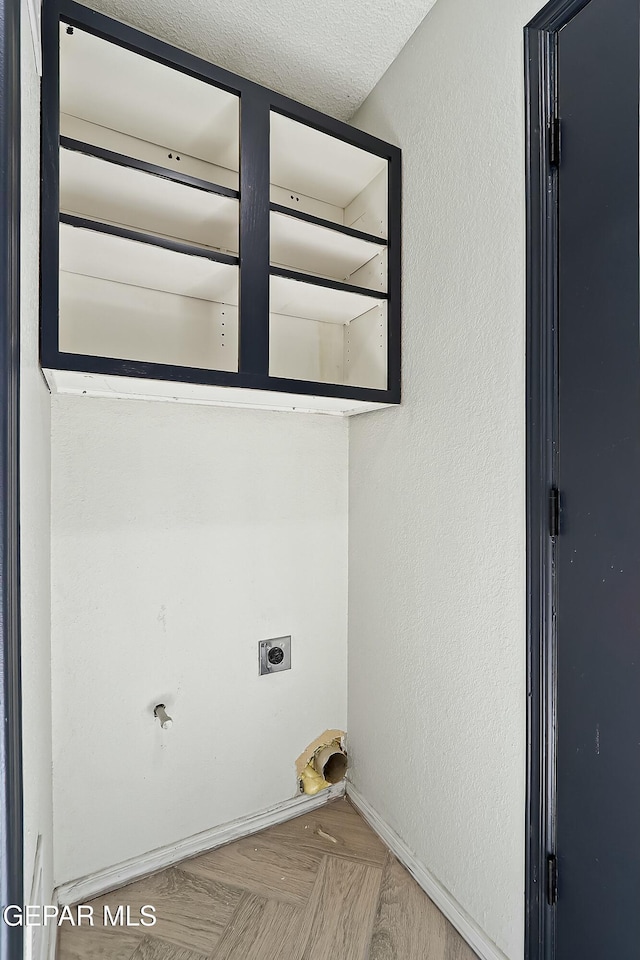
[[93, 252], [102, 318], [325, 335], [353, 354], [75, 383], [130, 300]]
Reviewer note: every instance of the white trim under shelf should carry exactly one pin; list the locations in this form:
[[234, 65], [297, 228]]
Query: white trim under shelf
[[135, 388]]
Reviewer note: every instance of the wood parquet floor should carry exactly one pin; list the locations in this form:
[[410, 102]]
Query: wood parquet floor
[[320, 887]]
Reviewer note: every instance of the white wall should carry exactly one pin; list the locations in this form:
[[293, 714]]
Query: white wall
[[183, 535], [437, 535], [35, 504]]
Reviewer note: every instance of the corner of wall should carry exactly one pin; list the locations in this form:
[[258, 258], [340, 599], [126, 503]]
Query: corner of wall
[[437, 671]]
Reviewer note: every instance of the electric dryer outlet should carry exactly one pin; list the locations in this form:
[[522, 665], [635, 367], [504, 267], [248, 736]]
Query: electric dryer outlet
[[274, 655]]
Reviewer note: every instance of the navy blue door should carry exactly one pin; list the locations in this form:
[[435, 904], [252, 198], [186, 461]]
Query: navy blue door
[[598, 548]]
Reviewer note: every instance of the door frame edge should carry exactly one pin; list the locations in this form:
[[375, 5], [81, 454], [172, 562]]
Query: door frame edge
[[540, 49], [11, 784]]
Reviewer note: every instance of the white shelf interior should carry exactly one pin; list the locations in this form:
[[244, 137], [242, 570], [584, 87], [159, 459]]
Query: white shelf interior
[[132, 301], [326, 177], [322, 252], [295, 298], [327, 336], [99, 190], [124, 101]]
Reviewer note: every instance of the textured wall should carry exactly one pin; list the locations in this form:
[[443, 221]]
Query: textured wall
[[328, 55], [35, 426], [437, 530], [182, 535]]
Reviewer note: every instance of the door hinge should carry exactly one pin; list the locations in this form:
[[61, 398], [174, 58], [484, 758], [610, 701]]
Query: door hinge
[[554, 142], [554, 512], [552, 880]]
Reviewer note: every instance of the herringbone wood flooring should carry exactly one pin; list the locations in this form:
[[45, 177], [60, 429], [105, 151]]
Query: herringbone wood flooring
[[320, 887]]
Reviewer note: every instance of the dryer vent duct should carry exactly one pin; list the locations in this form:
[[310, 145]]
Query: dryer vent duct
[[323, 763], [331, 763]]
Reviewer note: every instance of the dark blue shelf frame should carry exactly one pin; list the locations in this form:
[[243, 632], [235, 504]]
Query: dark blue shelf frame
[[256, 105]]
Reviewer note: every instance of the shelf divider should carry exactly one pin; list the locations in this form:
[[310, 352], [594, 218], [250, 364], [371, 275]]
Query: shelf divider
[[254, 235], [79, 146], [324, 282], [328, 224], [127, 234]]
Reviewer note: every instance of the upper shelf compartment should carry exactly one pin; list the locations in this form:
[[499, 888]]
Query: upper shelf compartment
[[321, 175], [112, 192], [135, 301], [138, 107], [317, 250]]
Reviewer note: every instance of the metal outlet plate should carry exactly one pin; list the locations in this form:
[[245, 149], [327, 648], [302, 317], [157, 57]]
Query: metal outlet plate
[[274, 655]]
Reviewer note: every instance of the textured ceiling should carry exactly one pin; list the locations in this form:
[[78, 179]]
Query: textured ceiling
[[326, 53]]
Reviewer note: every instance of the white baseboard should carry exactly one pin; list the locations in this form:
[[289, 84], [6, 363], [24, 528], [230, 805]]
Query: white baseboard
[[455, 914], [103, 881]]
